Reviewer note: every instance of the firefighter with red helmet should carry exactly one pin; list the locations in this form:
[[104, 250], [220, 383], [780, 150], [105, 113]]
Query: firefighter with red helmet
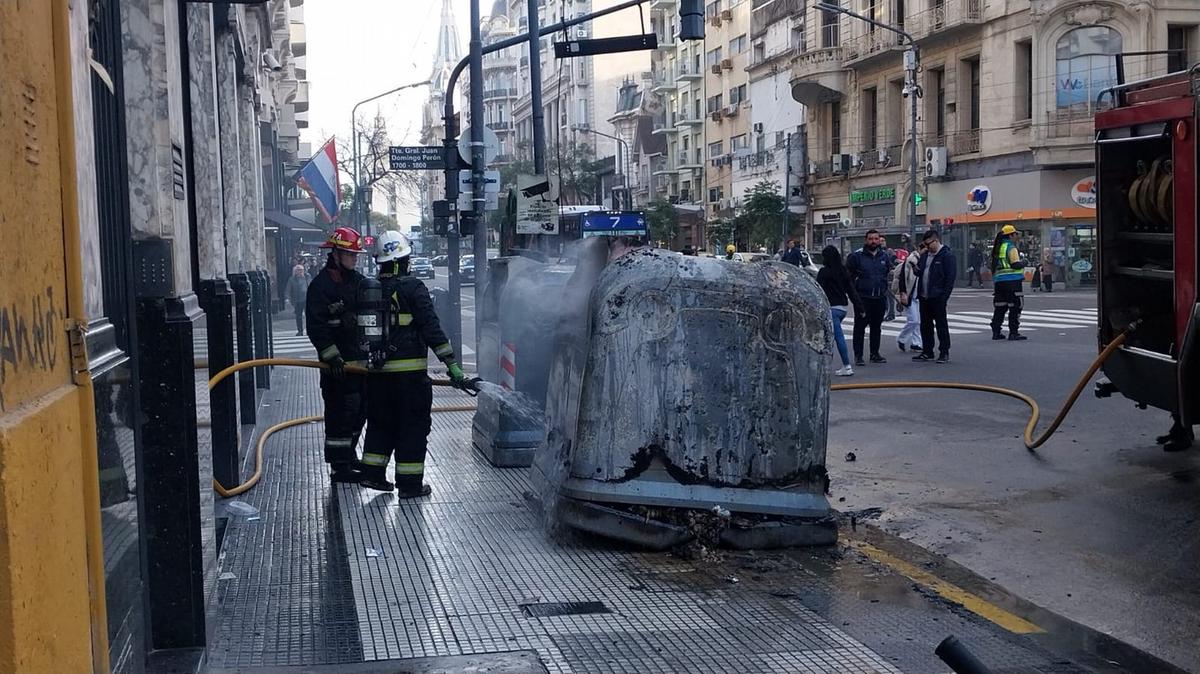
[[333, 331]]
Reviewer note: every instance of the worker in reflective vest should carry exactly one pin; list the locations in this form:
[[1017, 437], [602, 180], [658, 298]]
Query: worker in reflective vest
[[1007, 277], [400, 393]]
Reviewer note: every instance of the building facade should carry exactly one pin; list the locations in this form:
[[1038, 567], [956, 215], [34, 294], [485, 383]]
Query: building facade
[[1004, 125]]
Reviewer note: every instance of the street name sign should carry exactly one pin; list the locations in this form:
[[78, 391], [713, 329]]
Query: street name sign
[[416, 157]]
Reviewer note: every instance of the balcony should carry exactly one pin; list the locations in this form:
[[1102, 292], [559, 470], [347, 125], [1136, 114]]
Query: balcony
[[494, 94], [661, 182], [760, 59], [666, 125], [882, 158], [688, 120], [689, 160], [500, 127], [872, 45], [666, 38], [946, 17], [818, 76], [500, 62], [688, 73], [664, 81], [659, 166], [662, 4], [957, 143]]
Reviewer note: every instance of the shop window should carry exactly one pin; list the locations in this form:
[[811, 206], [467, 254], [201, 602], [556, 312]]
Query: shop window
[[1085, 64]]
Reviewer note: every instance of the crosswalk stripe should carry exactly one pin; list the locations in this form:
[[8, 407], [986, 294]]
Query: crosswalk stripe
[[982, 322], [1031, 316]]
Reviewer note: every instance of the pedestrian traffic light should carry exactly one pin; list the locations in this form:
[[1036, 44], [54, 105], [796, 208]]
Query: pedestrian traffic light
[[691, 19], [918, 198]]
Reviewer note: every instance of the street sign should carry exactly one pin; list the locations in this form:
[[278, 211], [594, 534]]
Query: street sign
[[491, 181], [613, 223], [491, 146], [466, 202], [537, 205], [416, 158]]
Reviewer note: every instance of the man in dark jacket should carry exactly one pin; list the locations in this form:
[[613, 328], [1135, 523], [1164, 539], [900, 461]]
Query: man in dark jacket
[[869, 268], [792, 254], [332, 329], [975, 264], [936, 273]]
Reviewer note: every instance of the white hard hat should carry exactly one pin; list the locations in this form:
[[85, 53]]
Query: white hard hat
[[392, 245]]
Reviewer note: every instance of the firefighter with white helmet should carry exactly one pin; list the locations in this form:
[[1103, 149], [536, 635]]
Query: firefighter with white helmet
[[400, 393], [329, 306]]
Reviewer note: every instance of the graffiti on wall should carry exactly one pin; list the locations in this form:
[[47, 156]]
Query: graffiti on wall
[[31, 336]]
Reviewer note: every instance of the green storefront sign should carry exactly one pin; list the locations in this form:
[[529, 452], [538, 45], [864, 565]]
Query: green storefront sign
[[873, 194]]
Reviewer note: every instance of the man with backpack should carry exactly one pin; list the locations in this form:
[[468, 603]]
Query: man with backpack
[[904, 288]]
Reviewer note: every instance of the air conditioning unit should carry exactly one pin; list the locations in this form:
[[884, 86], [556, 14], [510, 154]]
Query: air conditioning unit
[[812, 168], [731, 110], [935, 161], [758, 127], [715, 20], [856, 160], [840, 163], [727, 15], [883, 157], [727, 64], [715, 68], [716, 115]]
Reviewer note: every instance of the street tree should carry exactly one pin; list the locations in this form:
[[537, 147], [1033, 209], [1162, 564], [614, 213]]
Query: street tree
[[662, 221], [761, 219], [374, 167]]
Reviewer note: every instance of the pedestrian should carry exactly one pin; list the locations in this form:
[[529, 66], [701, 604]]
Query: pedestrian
[[869, 268], [687, 249], [937, 271], [400, 398], [333, 330], [904, 288], [835, 281], [1048, 270], [975, 266], [730, 249], [297, 292], [792, 255], [890, 314], [1007, 277]]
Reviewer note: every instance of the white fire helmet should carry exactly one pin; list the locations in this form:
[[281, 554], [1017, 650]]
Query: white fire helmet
[[392, 245]]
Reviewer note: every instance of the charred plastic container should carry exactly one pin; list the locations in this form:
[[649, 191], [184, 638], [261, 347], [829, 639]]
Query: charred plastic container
[[521, 304], [692, 385]]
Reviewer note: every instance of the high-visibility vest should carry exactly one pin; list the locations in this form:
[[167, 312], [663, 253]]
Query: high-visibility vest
[[1004, 270]]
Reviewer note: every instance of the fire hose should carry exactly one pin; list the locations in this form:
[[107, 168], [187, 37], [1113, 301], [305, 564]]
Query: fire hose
[[1031, 443], [262, 440], [1035, 412]]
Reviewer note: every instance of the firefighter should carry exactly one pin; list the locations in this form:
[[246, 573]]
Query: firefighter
[[400, 398], [333, 331], [1007, 277]]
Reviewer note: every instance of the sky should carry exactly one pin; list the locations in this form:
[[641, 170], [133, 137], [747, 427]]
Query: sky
[[360, 48]]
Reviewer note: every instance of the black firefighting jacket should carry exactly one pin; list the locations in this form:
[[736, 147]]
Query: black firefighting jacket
[[330, 313], [414, 326]]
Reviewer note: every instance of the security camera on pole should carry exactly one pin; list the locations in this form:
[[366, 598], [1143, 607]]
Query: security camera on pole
[[912, 91]]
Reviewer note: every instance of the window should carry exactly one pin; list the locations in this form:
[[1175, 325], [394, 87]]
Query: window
[[737, 45], [760, 142], [898, 14], [1180, 41], [760, 52], [973, 73], [697, 107], [739, 143], [870, 118], [1085, 65], [872, 14], [780, 138], [835, 127], [714, 56], [900, 111], [737, 94], [798, 40], [716, 149], [715, 194], [714, 104], [829, 29], [1023, 76], [712, 9], [936, 86]]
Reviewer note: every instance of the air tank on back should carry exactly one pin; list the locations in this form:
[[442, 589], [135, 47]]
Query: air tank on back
[[692, 385]]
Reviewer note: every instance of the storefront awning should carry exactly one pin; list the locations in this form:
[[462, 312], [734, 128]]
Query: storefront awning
[[295, 225]]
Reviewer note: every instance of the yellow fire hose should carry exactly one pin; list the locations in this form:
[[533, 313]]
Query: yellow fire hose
[[1034, 411], [1030, 442], [262, 440]]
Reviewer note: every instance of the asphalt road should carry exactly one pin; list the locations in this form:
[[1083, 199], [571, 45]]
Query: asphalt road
[[1098, 525], [441, 280]]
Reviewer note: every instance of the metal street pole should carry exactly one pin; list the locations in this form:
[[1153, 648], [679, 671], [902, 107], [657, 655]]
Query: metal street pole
[[912, 58], [354, 140], [478, 162], [535, 89], [787, 191], [622, 152]]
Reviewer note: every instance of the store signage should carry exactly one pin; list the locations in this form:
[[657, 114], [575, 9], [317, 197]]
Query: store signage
[[873, 194], [1082, 266], [829, 217], [1084, 192], [979, 200]]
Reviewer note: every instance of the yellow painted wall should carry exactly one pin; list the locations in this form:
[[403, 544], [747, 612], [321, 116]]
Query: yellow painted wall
[[46, 610]]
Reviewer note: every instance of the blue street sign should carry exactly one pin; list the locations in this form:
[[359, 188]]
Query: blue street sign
[[614, 223]]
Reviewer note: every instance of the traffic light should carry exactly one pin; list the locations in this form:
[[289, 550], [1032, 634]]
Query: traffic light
[[918, 198], [691, 19]]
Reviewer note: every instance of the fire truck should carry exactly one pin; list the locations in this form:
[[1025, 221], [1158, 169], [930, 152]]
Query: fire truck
[[1146, 182]]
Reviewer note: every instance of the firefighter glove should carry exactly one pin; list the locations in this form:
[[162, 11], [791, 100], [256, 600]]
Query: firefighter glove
[[457, 376], [337, 367]]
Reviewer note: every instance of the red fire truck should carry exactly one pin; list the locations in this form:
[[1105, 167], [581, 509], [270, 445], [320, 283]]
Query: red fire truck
[[1146, 175]]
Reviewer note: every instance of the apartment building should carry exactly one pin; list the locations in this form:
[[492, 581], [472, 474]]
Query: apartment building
[[500, 74], [777, 120], [678, 78], [1004, 124], [726, 109]]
